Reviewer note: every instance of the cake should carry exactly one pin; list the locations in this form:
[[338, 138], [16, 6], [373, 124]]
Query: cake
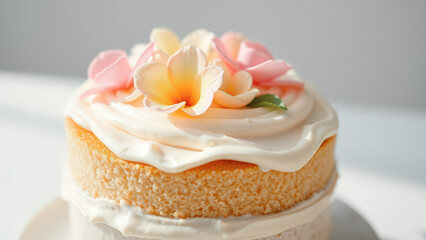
[[201, 138]]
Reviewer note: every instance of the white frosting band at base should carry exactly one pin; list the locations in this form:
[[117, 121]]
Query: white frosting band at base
[[133, 221], [81, 229]]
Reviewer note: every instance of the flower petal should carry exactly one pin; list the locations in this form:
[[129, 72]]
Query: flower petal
[[107, 88], [227, 77], [288, 84], [135, 53], [160, 56], [232, 42], [227, 100], [224, 55], [146, 54], [183, 66], [144, 58], [210, 77], [241, 82], [125, 96], [153, 105], [204, 102], [110, 68], [268, 70], [165, 40], [138, 49], [200, 38], [207, 83], [250, 56], [151, 80], [103, 60], [258, 47]]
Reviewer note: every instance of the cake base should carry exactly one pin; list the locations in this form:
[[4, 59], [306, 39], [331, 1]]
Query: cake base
[[104, 219], [81, 229]]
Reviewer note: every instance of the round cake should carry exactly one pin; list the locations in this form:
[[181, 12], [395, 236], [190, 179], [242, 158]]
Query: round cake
[[201, 138]]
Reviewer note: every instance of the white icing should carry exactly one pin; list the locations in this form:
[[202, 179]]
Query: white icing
[[274, 140], [132, 221], [81, 229]]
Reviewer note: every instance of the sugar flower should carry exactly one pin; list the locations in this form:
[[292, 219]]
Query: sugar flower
[[185, 82], [111, 71], [167, 42], [236, 90], [239, 53]]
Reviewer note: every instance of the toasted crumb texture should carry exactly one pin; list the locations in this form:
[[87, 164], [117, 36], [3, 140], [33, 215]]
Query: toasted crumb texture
[[219, 189]]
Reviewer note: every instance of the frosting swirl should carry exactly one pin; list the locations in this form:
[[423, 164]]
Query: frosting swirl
[[277, 140]]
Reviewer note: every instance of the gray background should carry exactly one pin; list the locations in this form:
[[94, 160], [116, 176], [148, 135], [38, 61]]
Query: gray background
[[372, 53], [358, 51]]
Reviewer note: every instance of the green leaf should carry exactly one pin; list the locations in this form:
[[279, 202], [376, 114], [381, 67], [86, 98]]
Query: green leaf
[[267, 100]]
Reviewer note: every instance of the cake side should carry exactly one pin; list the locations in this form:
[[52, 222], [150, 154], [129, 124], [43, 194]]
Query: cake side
[[201, 138], [218, 189]]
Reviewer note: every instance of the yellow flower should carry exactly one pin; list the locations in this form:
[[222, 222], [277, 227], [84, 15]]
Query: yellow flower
[[167, 42], [236, 90], [185, 82]]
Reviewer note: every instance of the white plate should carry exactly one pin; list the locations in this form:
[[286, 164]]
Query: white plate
[[51, 223]]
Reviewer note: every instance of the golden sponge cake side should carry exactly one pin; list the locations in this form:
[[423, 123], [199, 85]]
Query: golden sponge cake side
[[219, 189]]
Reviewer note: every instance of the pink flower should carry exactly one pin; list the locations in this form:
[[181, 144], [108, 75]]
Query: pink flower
[[111, 71], [186, 82], [242, 54]]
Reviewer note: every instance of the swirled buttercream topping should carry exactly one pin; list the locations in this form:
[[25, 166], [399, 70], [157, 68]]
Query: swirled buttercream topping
[[272, 139]]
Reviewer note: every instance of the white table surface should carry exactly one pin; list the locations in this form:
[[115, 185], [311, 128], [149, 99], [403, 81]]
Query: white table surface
[[381, 152]]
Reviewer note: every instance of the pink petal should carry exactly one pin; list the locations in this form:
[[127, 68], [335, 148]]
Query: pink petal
[[248, 56], [258, 47], [232, 42], [146, 54], [268, 70], [287, 84], [102, 61], [153, 105], [115, 74], [224, 55], [110, 68], [100, 89], [144, 58]]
